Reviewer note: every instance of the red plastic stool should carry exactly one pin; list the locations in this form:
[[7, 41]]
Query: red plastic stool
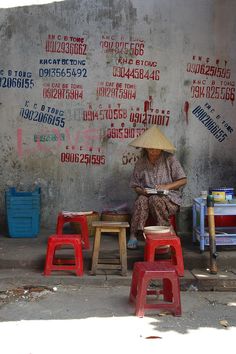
[[143, 273], [53, 263], [153, 241], [64, 218]]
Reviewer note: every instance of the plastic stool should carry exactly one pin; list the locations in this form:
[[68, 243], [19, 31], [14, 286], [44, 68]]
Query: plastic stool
[[64, 218], [53, 263], [153, 241], [143, 273]]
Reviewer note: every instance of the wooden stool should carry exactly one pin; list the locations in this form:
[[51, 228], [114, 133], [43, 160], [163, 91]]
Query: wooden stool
[[64, 218], [143, 273], [102, 263], [153, 241], [53, 263]]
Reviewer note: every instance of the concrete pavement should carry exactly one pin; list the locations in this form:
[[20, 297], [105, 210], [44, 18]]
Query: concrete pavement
[[63, 312], [100, 319], [22, 259]]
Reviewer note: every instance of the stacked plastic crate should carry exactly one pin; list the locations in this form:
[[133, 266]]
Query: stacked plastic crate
[[23, 212]]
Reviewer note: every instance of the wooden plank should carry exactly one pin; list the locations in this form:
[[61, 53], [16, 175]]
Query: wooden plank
[[96, 249], [123, 251], [108, 260], [112, 230], [110, 224], [108, 266]]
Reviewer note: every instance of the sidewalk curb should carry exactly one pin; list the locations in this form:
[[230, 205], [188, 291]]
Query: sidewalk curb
[[195, 280]]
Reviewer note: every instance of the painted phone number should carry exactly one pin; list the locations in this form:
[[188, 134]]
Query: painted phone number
[[215, 92], [42, 117], [208, 70], [83, 158], [66, 47], [13, 82], [61, 93], [137, 73], [57, 72], [105, 114]]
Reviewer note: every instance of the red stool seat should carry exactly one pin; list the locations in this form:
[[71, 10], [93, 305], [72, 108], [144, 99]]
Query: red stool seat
[[64, 218], [154, 241], [143, 273], [53, 263]]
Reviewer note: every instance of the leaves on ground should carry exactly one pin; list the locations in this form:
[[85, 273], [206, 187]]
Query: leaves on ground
[[224, 323]]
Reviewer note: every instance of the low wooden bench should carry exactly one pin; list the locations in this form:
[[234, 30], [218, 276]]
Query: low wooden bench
[[109, 263]]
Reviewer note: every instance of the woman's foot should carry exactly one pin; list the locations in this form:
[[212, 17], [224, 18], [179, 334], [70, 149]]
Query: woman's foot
[[172, 230], [132, 243]]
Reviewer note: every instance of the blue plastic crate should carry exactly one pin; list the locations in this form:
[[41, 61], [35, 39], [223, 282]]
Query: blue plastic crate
[[23, 213], [25, 203], [22, 224], [26, 200]]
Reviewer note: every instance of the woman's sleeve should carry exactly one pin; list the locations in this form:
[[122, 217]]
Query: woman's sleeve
[[177, 171], [135, 178]]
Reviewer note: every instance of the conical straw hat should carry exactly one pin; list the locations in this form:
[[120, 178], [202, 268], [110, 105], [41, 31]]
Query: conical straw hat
[[153, 138]]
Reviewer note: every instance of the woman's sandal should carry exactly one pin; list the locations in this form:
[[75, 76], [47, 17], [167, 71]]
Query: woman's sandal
[[132, 244]]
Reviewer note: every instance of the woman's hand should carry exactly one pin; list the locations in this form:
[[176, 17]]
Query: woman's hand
[[141, 191], [174, 185], [162, 187]]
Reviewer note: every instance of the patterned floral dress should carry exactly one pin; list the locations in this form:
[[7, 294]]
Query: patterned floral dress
[[167, 169]]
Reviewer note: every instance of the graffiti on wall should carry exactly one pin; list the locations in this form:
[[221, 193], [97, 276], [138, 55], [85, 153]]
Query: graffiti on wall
[[104, 112], [117, 44], [214, 122], [86, 159], [42, 114], [127, 65], [84, 146], [65, 44], [124, 133], [18, 79], [48, 137], [79, 140], [129, 158], [134, 72], [118, 90], [62, 91], [217, 83], [149, 115], [62, 72], [62, 68]]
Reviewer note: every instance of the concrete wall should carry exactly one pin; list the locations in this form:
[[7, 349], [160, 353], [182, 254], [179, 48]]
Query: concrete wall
[[80, 79]]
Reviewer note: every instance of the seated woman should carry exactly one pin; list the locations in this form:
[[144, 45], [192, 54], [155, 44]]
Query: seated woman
[[160, 170]]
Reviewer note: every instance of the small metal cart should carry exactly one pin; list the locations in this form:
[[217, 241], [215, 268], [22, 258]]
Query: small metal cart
[[225, 235]]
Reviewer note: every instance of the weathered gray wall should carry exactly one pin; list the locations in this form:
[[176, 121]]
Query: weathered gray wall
[[183, 53]]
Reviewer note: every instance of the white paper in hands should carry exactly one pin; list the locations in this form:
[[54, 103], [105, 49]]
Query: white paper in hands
[[156, 191]]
